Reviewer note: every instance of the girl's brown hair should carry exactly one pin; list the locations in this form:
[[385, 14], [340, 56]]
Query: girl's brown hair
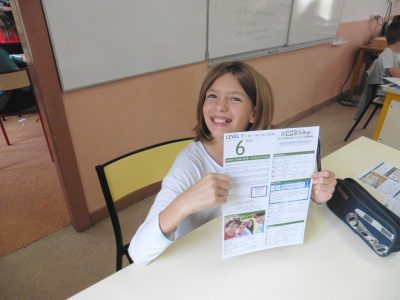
[[253, 83]]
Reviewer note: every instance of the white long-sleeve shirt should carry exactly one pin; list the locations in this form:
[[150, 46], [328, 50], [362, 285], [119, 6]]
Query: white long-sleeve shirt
[[390, 59], [191, 165]]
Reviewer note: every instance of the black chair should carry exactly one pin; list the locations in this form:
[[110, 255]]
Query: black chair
[[375, 100], [12, 82], [130, 173]]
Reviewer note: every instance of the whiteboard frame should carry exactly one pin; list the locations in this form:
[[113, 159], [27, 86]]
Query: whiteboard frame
[[266, 52]]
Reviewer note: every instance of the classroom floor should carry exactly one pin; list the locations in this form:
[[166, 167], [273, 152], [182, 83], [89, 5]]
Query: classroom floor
[[65, 262], [32, 205]]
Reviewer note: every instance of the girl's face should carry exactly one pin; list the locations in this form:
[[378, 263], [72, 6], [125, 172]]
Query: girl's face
[[230, 230], [227, 108], [241, 228]]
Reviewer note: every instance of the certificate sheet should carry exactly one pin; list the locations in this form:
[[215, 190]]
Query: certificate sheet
[[270, 188], [385, 178]]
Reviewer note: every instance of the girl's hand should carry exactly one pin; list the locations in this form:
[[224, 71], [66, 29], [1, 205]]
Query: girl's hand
[[324, 183], [211, 190]]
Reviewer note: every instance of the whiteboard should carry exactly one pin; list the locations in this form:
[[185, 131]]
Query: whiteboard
[[99, 41], [246, 25], [314, 20]]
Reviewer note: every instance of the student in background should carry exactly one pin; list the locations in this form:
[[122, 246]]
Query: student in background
[[14, 101], [10, 62], [233, 97], [9, 39], [390, 57], [386, 65]]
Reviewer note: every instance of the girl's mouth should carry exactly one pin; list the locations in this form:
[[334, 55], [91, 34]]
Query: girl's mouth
[[220, 120]]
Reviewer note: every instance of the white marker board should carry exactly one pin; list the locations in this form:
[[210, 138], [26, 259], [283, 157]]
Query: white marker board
[[268, 26], [245, 26], [314, 20], [96, 41]]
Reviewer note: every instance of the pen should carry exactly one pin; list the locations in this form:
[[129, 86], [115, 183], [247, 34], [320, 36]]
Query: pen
[[319, 156]]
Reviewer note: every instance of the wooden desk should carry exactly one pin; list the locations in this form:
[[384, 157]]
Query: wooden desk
[[359, 61], [333, 263], [388, 125]]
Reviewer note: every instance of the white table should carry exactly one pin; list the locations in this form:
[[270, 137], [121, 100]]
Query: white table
[[388, 124], [333, 263]]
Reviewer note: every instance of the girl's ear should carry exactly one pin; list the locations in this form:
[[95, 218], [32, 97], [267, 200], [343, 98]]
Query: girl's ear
[[253, 116]]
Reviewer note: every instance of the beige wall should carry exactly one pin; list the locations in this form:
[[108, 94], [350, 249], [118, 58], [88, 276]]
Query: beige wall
[[117, 117]]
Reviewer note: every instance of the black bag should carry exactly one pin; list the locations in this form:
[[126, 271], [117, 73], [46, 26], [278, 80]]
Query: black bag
[[378, 226]]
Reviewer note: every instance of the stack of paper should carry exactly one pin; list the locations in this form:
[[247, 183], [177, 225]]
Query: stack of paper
[[391, 87], [394, 80]]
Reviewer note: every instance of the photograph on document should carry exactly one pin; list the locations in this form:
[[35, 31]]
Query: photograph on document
[[244, 224], [373, 179], [243, 232], [384, 177]]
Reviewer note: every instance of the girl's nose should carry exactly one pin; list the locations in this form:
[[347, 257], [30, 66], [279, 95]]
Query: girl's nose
[[222, 105]]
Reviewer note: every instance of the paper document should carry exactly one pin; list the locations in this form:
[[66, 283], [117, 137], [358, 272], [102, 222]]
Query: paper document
[[385, 178], [394, 80], [270, 188], [391, 88]]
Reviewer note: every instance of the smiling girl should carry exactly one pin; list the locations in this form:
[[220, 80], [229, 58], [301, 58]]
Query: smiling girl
[[233, 97]]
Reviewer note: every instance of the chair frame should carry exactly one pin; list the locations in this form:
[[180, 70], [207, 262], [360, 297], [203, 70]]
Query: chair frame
[[10, 85], [17, 80], [122, 249], [371, 101]]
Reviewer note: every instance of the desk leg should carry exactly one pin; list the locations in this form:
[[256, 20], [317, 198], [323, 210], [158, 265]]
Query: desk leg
[[45, 136], [356, 73], [382, 116], [4, 133]]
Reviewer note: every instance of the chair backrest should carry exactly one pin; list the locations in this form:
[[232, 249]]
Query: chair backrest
[[133, 171], [14, 80], [375, 72]]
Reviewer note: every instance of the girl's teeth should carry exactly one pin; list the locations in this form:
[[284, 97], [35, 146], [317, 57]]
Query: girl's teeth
[[216, 120]]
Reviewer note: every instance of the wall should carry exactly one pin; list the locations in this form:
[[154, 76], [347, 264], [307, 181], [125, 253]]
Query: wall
[[114, 118], [359, 10], [117, 117]]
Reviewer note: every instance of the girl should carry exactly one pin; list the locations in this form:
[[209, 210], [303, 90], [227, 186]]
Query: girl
[[233, 97], [250, 225], [230, 229]]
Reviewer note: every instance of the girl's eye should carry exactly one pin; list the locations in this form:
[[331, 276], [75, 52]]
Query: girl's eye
[[236, 99], [211, 96]]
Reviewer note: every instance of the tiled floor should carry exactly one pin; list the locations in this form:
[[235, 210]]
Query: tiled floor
[[31, 201], [335, 121]]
